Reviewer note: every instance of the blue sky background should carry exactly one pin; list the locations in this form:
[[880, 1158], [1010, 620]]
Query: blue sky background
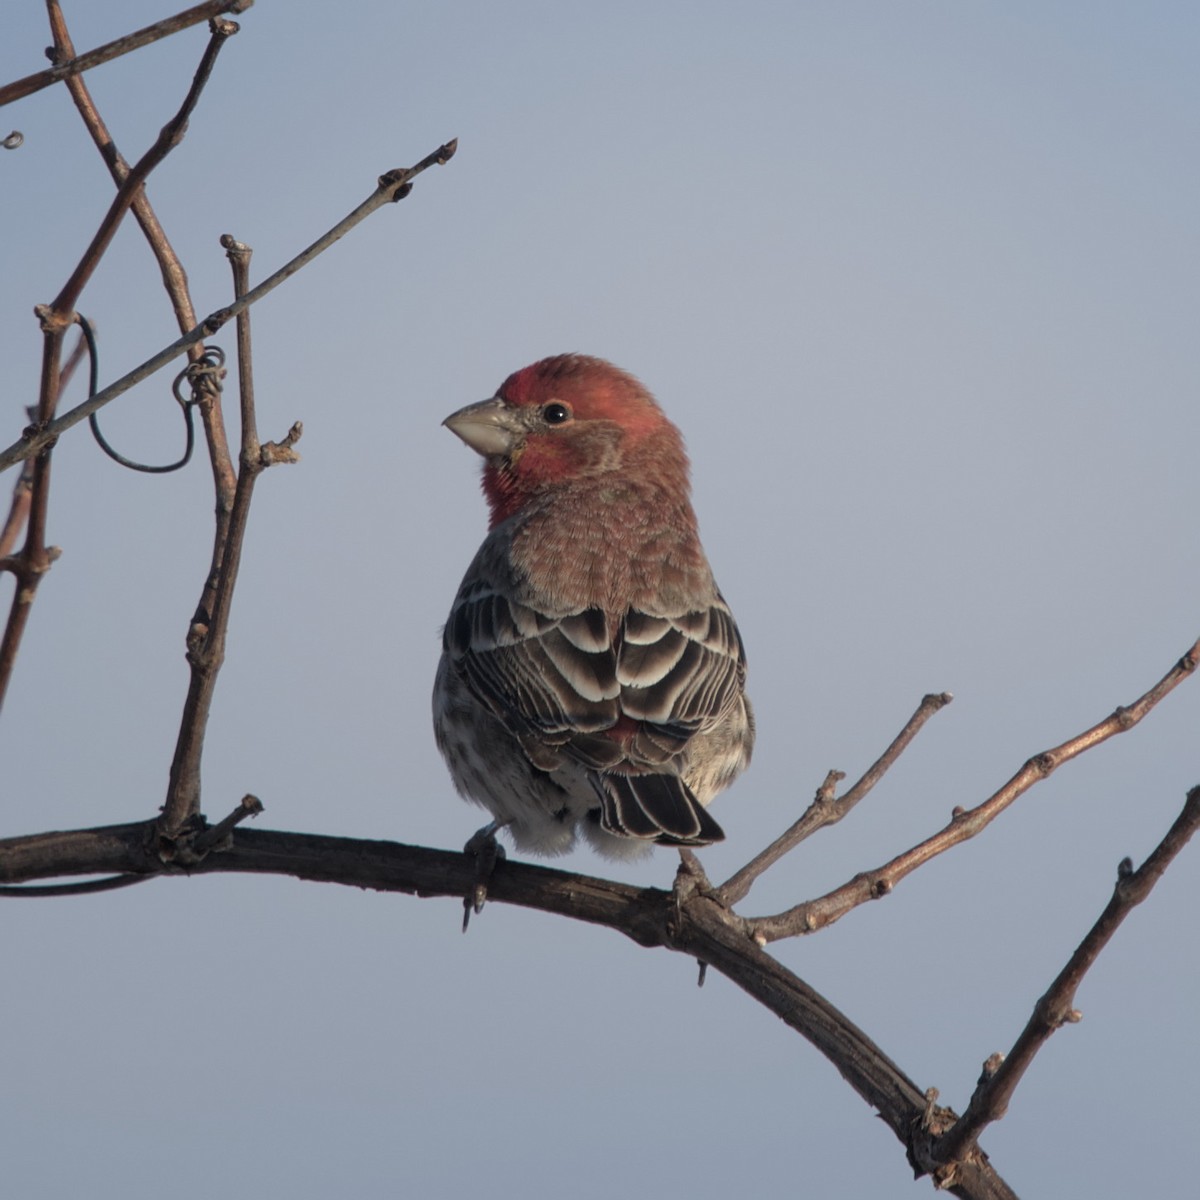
[[918, 281]]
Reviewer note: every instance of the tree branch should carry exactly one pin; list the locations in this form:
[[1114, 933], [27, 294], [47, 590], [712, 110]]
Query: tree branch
[[691, 924], [207, 635], [35, 558], [170, 136], [74, 66], [174, 277], [872, 885], [825, 808], [393, 185], [1056, 1007]]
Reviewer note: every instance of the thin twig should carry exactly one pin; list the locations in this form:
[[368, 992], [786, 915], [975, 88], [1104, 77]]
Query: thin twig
[[75, 65], [1057, 1007], [174, 277], [110, 883], [169, 137], [22, 490], [206, 640], [35, 558], [393, 186], [964, 824], [826, 809], [209, 839]]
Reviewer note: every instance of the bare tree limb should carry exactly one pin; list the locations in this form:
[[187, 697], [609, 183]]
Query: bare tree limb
[[1056, 1007], [76, 65], [825, 808], [18, 509], [36, 558], [872, 885], [174, 277], [393, 185], [170, 137], [690, 923], [206, 638]]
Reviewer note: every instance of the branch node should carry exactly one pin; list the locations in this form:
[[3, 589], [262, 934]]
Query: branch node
[[50, 320], [991, 1065], [233, 247], [282, 451], [1043, 763], [1124, 869]]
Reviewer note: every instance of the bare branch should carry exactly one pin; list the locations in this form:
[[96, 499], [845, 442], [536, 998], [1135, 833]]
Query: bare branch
[[1057, 1007], [207, 635], [174, 277], [74, 66], [35, 558], [964, 824], [170, 137], [825, 808], [691, 924], [23, 489], [393, 186]]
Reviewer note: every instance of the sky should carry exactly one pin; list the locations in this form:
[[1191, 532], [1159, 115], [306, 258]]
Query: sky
[[918, 282]]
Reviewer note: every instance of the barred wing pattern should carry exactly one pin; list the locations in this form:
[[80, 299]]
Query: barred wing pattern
[[621, 699]]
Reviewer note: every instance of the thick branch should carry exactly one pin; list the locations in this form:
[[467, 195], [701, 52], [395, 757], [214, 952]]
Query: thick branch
[[694, 925], [20, 88], [964, 824]]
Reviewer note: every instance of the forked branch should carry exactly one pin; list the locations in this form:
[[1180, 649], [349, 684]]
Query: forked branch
[[393, 185], [1057, 1007], [827, 808], [965, 823], [72, 65]]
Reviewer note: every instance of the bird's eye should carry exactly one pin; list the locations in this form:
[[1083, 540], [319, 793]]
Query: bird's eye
[[556, 414]]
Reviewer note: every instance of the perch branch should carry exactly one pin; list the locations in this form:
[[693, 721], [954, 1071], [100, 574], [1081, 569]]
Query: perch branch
[[694, 925], [76, 65], [964, 824]]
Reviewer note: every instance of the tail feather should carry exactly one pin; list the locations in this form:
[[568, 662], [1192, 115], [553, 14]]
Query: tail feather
[[660, 808]]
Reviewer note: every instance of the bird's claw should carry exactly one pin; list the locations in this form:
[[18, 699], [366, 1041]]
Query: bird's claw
[[487, 852]]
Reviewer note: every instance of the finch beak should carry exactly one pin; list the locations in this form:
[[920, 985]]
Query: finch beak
[[490, 427]]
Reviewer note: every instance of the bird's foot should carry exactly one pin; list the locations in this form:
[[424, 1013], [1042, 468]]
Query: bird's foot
[[487, 852], [690, 877]]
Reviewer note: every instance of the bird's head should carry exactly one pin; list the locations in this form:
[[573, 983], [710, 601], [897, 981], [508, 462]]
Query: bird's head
[[567, 419]]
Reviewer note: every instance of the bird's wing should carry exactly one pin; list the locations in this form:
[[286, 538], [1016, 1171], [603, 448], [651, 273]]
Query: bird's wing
[[620, 698]]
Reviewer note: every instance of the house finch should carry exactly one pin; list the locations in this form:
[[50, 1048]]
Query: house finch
[[592, 674]]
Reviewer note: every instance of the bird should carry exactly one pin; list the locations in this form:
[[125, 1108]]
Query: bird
[[592, 676]]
